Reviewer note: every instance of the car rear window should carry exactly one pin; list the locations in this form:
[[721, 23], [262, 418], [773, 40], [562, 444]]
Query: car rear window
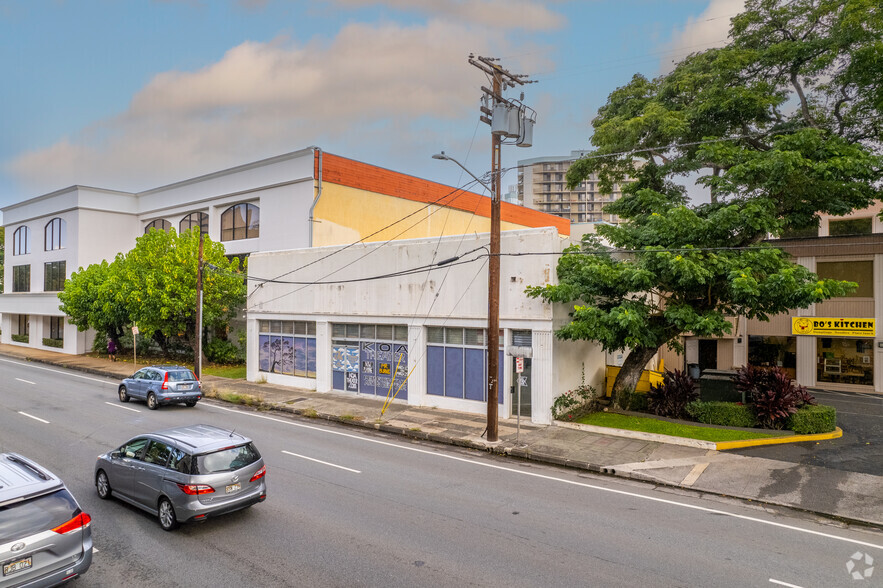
[[227, 460], [22, 519], [181, 376]]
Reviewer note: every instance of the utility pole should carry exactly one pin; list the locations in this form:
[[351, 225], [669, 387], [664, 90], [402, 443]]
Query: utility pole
[[199, 310], [508, 118]]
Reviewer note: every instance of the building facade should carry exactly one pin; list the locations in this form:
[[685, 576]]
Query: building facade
[[418, 337], [293, 201], [542, 185], [834, 345]]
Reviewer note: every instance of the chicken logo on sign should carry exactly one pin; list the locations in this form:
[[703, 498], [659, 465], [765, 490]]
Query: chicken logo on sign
[[802, 326]]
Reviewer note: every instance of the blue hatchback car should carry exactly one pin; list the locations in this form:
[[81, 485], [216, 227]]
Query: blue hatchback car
[[162, 384]]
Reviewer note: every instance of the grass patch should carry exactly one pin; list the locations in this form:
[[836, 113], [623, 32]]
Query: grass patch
[[350, 417], [235, 398], [649, 425], [234, 372], [309, 412]]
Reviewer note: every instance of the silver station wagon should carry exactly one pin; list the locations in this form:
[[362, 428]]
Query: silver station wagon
[[45, 538], [162, 384], [184, 474]]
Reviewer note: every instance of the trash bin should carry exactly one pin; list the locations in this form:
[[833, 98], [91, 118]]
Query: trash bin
[[719, 385], [694, 371]]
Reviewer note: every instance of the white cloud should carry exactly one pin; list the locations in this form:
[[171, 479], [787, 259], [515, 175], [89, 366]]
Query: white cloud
[[388, 86], [709, 29], [510, 14]]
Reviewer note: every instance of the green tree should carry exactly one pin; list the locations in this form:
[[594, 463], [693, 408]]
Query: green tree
[[783, 123], [95, 298], [154, 286]]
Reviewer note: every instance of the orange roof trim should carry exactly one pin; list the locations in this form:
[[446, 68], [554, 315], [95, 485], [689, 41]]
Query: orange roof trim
[[363, 176]]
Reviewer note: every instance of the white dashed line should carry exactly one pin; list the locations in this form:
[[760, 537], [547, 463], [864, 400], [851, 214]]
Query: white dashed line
[[30, 416], [25, 381], [123, 407], [322, 462]]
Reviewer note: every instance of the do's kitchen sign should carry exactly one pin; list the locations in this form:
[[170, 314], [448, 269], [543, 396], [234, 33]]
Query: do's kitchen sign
[[833, 326]]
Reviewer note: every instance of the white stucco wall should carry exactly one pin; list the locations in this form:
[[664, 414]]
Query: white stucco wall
[[453, 295]]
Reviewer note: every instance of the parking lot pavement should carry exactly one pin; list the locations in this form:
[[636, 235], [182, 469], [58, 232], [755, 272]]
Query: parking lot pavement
[[860, 449]]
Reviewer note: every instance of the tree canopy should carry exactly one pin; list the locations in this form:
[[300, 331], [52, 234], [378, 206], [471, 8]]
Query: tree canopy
[[782, 124], [154, 286]]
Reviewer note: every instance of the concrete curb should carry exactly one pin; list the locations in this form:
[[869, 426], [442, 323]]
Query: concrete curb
[[698, 443]]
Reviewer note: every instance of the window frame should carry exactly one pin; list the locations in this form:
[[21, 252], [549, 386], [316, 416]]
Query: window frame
[[21, 241], [54, 273], [18, 280], [164, 225], [248, 229], [863, 285], [202, 222], [54, 234]]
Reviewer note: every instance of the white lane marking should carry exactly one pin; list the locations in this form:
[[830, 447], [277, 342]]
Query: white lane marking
[[784, 583], [334, 465], [123, 407], [694, 474], [553, 478], [30, 416], [64, 373], [25, 381]]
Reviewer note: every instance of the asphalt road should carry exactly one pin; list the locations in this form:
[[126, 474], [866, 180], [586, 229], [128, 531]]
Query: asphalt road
[[860, 449], [349, 507]]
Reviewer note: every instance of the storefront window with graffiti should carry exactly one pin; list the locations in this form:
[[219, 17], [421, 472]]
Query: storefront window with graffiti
[[287, 347]]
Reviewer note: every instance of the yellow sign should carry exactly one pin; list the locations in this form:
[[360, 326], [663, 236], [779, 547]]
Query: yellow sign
[[833, 327]]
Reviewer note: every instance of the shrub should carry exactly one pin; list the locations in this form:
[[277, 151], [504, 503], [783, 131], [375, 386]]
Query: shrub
[[575, 403], [774, 394], [53, 342], [223, 351], [670, 399], [633, 400], [725, 414], [21, 338], [811, 419]]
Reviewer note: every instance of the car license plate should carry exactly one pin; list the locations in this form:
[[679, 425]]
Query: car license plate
[[234, 488], [185, 386], [17, 566]]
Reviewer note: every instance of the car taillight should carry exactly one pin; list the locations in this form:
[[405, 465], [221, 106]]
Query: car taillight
[[200, 384], [81, 521], [259, 474], [194, 489], [165, 382]]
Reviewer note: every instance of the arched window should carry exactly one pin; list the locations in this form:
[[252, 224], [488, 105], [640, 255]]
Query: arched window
[[240, 221], [55, 234], [159, 224], [194, 219], [21, 241]]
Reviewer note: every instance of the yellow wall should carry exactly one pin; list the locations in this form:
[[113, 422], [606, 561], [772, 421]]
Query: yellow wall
[[345, 215]]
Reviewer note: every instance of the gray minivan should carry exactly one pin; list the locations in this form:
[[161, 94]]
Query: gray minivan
[[45, 538], [184, 474]]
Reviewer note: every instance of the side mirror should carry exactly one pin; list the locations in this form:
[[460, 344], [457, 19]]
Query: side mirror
[[114, 454]]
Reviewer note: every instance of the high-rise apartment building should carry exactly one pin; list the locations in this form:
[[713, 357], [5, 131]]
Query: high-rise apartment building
[[542, 186]]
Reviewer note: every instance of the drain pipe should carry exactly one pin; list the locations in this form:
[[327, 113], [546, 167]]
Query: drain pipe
[[317, 154]]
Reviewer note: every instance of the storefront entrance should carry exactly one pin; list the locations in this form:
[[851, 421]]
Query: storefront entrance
[[843, 360], [370, 359]]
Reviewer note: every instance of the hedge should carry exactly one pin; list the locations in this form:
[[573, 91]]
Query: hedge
[[725, 414], [53, 342], [21, 338], [811, 419]]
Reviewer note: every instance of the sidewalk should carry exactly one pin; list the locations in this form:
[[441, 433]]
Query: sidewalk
[[842, 494]]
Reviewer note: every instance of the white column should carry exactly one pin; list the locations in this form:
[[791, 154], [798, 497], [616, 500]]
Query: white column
[[323, 356], [878, 320], [416, 365], [542, 384]]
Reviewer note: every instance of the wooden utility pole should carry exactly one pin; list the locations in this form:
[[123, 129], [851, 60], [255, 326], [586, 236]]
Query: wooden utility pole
[[199, 310], [500, 80]]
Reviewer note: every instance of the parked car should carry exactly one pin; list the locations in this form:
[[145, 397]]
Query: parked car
[[184, 474], [45, 537], [162, 384]]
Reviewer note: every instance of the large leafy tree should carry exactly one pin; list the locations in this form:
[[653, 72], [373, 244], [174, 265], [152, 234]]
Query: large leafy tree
[[154, 286], [782, 124]]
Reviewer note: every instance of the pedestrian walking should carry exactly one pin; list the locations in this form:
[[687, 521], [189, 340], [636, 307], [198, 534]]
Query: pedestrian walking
[[111, 350]]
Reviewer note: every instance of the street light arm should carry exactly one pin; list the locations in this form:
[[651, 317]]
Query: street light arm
[[443, 156]]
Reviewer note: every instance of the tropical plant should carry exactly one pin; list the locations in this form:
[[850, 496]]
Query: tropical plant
[[671, 397], [782, 124], [773, 394]]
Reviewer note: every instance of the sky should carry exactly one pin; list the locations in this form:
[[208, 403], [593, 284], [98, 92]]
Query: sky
[[135, 94]]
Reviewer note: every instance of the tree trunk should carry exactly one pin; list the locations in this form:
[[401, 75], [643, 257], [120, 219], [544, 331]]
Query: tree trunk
[[628, 376]]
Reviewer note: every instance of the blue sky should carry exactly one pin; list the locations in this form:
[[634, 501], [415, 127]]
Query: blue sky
[[134, 94]]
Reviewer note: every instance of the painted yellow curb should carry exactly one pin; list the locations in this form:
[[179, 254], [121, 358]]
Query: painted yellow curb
[[835, 434]]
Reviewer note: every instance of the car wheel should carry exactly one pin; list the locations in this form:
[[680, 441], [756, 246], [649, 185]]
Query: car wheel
[[103, 485], [124, 394], [190, 404], [152, 402], [167, 519]]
